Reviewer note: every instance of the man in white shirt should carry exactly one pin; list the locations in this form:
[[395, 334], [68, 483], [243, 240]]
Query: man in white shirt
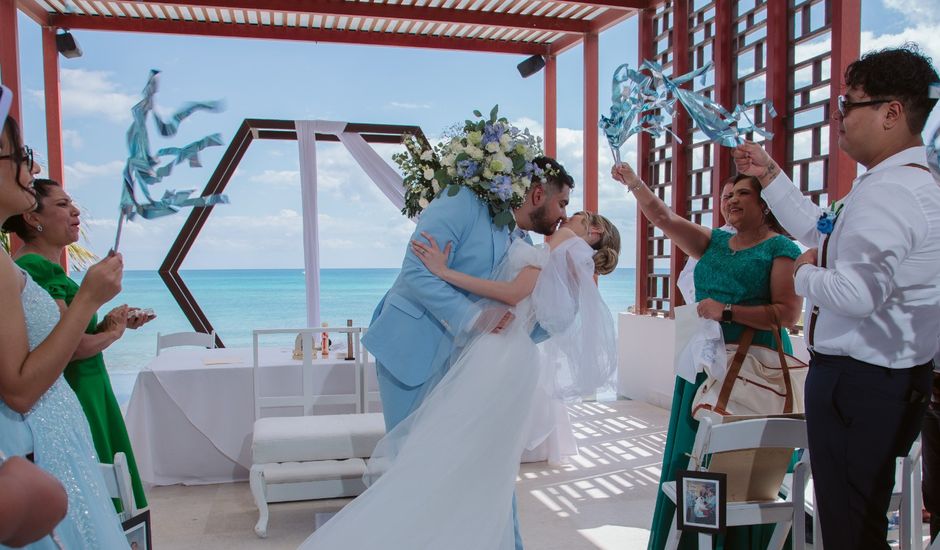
[[872, 292]]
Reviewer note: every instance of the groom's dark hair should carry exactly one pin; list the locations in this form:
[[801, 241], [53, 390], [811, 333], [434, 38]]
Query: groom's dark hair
[[556, 177]]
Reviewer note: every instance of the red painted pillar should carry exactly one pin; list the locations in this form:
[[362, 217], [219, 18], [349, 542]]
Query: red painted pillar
[[50, 69], [9, 55], [50, 73], [724, 95], [778, 70], [644, 145], [551, 106], [591, 115], [846, 23], [680, 151]]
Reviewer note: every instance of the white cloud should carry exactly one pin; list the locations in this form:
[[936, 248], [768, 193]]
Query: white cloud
[[72, 138], [915, 10], [277, 177], [92, 94], [80, 172], [925, 35], [408, 106]]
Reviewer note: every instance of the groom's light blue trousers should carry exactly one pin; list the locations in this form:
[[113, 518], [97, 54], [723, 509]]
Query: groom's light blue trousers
[[398, 401]]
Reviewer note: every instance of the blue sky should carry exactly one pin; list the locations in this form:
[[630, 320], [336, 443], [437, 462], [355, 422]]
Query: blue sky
[[261, 228]]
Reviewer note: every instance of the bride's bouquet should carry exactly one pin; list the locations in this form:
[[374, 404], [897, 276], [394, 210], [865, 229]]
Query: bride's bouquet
[[490, 157]]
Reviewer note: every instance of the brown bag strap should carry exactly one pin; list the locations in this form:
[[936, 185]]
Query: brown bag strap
[[784, 364], [915, 165], [744, 344], [731, 376], [811, 331]]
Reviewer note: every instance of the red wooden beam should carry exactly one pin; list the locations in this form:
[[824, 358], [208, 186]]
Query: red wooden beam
[[551, 106], [235, 30], [342, 8], [50, 69], [631, 4], [591, 78], [598, 25], [9, 55], [778, 71], [35, 12], [680, 151], [724, 95], [644, 146], [846, 22]]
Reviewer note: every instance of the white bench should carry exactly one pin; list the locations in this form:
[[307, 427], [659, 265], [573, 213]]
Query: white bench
[[310, 456]]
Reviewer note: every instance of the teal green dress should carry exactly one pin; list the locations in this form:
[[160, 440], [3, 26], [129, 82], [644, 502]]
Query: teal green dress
[[89, 378], [729, 277]]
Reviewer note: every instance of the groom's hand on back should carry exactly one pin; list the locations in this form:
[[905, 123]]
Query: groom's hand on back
[[493, 319]]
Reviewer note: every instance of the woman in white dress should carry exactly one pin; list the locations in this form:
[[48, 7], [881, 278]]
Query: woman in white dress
[[446, 474]]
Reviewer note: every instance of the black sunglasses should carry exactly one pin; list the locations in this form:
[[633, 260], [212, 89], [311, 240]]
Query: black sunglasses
[[22, 155], [845, 105]]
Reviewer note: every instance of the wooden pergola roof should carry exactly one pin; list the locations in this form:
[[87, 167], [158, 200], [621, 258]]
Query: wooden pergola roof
[[546, 27]]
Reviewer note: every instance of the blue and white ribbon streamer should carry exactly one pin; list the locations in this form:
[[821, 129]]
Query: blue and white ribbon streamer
[[141, 170], [641, 102], [933, 144]]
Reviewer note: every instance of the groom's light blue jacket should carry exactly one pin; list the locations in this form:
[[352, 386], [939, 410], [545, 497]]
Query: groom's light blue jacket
[[413, 328]]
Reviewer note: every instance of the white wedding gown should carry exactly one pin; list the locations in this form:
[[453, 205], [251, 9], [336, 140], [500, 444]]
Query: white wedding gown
[[446, 474]]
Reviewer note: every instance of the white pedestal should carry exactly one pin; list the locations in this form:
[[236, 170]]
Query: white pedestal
[[645, 368]]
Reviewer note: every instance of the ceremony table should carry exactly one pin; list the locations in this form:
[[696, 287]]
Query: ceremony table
[[191, 413]]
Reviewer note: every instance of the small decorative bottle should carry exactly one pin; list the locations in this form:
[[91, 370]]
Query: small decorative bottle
[[324, 343]]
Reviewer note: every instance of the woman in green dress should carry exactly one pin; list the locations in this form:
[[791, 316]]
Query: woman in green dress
[[46, 232], [737, 276]]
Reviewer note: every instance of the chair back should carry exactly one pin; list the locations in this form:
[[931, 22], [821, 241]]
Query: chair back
[[117, 478], [754, 433], [307, 399], [200, 339]]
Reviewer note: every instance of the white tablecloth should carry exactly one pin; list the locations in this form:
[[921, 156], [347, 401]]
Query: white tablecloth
[[191, 413]]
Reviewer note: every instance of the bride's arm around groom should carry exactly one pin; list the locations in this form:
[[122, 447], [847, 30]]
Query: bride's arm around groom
[[414, 326]]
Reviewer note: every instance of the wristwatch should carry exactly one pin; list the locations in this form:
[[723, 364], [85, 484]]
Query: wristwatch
[[727, 314]]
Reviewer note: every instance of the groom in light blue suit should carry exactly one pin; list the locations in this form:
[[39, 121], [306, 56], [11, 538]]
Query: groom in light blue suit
[[414, 326]]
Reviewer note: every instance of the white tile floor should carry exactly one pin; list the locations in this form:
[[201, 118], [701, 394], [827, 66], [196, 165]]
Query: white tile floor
[[602, 500]]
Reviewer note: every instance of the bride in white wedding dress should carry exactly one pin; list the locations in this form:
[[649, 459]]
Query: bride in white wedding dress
[[446, 474]]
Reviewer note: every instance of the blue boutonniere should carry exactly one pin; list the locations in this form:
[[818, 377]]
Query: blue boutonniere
[[827, 220]]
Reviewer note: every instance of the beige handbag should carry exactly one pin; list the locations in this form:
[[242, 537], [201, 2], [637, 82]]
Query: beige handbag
[[759, 381]]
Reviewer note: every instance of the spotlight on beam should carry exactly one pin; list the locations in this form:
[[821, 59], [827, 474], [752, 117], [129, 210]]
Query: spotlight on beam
[[531, 66], [66, 45]]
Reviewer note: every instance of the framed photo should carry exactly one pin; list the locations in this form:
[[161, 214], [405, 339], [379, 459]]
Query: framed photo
[[701, 501], [137, 530]]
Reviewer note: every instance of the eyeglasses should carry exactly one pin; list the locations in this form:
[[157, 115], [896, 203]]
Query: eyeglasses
[[845, 105], [22, 155]]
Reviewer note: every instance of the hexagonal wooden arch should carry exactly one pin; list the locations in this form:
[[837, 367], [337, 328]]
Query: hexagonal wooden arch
[[250, 130]]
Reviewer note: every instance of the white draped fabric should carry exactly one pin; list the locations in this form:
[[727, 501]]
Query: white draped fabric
[[383, 175]]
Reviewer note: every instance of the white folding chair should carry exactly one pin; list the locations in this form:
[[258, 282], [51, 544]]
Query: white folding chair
[[763, 433], [117, 478], [906, 499], [200, 339]]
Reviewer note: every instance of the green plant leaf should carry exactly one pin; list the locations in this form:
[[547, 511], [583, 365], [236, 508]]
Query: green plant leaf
[[503, 218], [477, 113], [518, 163], [453, 190], [493, 113]]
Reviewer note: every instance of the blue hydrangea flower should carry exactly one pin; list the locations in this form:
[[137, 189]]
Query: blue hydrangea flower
[[467, 168], [825, 223], [501, 185], [491, 133]]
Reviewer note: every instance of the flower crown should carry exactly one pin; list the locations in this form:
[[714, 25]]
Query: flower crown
[[490, 157]]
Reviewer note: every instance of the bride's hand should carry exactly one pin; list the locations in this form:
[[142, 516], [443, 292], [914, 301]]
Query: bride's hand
[[431, 255]]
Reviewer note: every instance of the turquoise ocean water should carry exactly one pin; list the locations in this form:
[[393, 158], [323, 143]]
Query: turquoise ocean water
[[239, 301]]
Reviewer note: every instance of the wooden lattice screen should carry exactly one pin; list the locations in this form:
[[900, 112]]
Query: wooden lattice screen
[[778, 49]]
